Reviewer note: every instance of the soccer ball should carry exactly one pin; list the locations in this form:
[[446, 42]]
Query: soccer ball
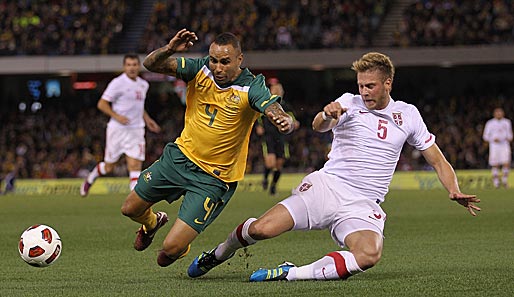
[[40, 246]]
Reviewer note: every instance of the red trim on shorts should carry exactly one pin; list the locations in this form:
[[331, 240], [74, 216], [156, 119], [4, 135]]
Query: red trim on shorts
[[239, 233], [340, 265]]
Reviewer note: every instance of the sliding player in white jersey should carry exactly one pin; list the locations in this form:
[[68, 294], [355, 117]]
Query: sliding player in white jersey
[[345, 195], [498, 133], [124, 101]]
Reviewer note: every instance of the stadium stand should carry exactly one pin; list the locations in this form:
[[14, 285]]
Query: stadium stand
[[43, 146], [60, 27], [106, 27], [96, 27], [268, 25], [51, 142], [455, 22]]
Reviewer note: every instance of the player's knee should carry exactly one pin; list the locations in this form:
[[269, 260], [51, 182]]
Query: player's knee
[[131, 208], [260, 230], [164, 260], [126, 211], [367, 257], [173, 250]]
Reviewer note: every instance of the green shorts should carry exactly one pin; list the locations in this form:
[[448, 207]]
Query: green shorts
[[174, 175]]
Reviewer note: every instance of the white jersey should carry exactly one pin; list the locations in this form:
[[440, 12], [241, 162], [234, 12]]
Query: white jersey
[[367, 144], [127, 98], [498, 132]]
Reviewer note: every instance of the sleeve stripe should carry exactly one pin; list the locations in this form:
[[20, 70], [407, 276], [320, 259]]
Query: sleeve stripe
[[183, 62], [266, 101]]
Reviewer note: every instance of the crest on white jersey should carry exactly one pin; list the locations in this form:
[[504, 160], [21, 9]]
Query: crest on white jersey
[[397, 117], [304, 187]]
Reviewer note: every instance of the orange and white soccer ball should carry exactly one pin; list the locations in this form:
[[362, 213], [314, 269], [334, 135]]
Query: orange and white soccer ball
[[40, 246]]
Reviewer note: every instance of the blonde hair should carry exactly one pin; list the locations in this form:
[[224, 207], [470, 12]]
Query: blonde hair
[[375, 61]]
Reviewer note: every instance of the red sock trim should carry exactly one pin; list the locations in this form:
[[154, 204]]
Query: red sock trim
[[340, 265], [133, 179], [239, 233]]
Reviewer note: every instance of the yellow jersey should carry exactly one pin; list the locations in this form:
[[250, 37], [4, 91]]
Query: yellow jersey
[[219, 119]]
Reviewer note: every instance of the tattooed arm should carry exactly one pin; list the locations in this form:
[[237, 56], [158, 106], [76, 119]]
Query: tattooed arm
[[279, 118], [160, 60]]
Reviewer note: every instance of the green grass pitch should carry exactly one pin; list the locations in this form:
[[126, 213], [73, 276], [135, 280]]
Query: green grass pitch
[[433, 247]]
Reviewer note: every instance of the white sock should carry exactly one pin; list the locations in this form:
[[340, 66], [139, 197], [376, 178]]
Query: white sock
[[133, 178], [236, 239], [496, 178], [505, 177], [99, 170], [336, 265]]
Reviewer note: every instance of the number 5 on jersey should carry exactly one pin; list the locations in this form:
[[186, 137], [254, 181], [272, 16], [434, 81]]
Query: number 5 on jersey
[[382, 129]]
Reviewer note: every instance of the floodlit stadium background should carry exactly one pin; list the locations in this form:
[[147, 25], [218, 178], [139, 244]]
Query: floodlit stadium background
[[453, 61]]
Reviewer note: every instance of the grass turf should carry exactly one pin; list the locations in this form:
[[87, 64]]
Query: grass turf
[[433, 247]]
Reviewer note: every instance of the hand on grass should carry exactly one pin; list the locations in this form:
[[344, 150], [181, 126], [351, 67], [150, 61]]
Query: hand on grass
[[468, 201]]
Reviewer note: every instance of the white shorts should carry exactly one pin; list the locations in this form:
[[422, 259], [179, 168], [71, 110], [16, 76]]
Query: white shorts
[[322, 201], [499, 155], [128, 141]]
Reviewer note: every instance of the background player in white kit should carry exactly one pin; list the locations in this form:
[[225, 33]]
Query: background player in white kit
[[345, 195], [498, 133], [124, 101]]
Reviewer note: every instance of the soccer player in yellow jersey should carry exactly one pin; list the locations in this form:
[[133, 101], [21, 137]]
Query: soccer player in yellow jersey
[[205, 163]]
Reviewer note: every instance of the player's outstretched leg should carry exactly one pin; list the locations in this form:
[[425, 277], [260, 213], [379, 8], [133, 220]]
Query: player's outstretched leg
[[336, 265], [164, 260], [208, 260], [84, 188], [145, 237], [98, 171], [203, 263], [274, 274]]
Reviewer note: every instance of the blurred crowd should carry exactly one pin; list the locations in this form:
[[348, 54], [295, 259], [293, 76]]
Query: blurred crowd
[[458, 126], [54, 143], [59, 27], [268, 24], [456, 22]]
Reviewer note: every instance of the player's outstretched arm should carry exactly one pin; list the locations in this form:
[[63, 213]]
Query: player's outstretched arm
[[327, 118], [160, 60], [279, 118], [447, 176]]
